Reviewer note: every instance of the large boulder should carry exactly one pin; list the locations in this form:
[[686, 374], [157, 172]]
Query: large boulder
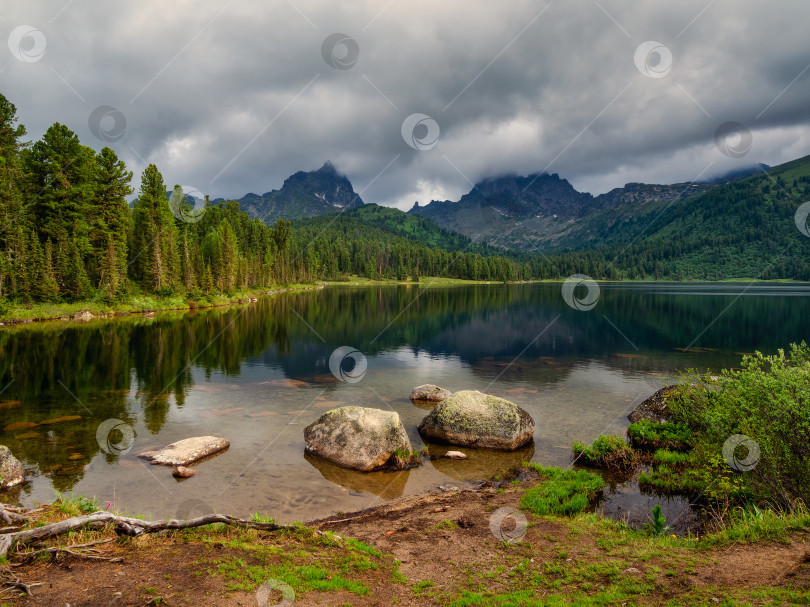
[[186, 452], [358, 438], [654, 408], [12, 472], [474, 419], [430, 393]]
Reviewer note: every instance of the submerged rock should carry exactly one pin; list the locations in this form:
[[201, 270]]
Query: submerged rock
[[474, 419], [654, 408], [12, 472], [430, 393], [359, 438], [186, 452], [183, 472], [455, 455]]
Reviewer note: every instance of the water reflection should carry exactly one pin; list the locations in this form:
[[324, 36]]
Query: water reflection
[[258, 372]]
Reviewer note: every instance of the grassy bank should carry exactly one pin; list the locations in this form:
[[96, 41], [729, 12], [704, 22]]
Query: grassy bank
[[12, 313], [435, 549]]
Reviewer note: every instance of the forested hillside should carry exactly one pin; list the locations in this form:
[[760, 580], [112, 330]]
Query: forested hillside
[[67, 233]]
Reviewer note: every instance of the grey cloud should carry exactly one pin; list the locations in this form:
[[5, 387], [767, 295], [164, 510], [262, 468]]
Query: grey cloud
[[554, 92]]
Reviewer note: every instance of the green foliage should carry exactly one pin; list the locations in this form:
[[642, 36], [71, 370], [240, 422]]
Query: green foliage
[[650, 436], [609, 452], [766, 400], [658, 526], [563, 492]]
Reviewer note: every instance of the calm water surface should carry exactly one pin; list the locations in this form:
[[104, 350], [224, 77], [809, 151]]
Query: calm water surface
[[258, 374]]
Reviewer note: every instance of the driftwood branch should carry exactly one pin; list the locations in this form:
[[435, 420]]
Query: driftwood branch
[[123, 526], [10, 515], [8, 579], [84, 552]]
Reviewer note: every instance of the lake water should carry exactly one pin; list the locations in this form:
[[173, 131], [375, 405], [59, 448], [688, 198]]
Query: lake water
[[258, 374]]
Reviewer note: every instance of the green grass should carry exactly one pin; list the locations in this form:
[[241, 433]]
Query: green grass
[[608, 452], [76, 505], [561, 491], [651, 436]]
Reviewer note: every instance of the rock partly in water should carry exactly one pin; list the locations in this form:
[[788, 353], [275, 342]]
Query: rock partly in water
[[359, 438], [654, 408], [183, 472], [186, 452], [430, 393], [12, 472], [83, 315], [473, 419], [455, 455]]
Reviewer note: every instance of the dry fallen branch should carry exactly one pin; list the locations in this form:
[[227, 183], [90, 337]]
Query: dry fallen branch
[[10, 514], [123, 526], [82, 551], [8, 579]]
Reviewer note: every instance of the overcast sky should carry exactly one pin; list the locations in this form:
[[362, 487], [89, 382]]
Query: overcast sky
[[233, 96]]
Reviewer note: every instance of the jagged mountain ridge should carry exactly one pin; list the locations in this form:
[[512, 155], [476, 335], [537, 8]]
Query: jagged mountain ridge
[[304, 194]]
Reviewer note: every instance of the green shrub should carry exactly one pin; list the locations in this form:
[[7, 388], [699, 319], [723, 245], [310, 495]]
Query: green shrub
[[562, 491], [768, 400], [650, 436], [608, 452]]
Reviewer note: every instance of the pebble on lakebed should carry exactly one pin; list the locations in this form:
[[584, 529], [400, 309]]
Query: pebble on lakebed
[[455, 455], [183, 472]]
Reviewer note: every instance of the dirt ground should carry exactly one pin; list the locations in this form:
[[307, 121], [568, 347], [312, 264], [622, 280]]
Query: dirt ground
[[447, 552]]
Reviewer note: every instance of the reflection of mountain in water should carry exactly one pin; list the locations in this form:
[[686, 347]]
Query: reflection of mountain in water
[[118, 368]]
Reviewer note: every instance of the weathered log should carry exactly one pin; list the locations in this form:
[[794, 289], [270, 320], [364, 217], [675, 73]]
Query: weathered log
[[123, 526]]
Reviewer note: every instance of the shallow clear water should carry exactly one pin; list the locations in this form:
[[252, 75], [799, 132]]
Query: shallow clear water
[[258, 374]]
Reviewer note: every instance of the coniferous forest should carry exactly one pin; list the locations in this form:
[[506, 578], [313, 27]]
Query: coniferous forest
[[69, 234]]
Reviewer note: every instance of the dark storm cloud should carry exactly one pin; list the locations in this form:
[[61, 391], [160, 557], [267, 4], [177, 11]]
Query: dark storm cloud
[[233, 96]]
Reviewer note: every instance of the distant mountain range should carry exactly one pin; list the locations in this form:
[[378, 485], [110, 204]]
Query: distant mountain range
[[537, 212]]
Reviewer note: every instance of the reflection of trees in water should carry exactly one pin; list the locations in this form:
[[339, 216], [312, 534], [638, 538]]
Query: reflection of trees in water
[[107, 363]]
